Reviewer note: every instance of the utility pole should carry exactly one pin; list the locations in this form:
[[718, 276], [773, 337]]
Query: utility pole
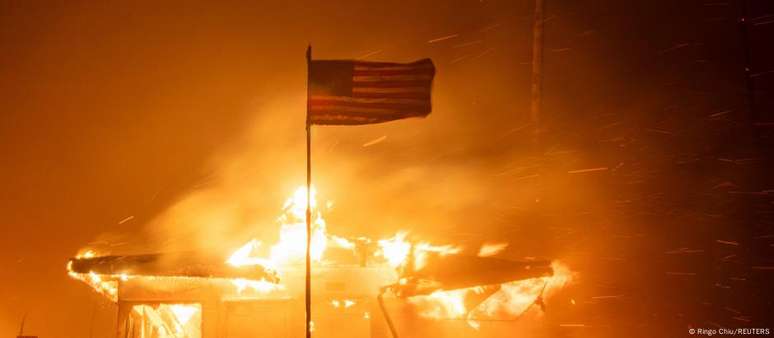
[[750, 85]]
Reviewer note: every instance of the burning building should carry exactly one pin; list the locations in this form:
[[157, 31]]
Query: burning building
[[258, 291]]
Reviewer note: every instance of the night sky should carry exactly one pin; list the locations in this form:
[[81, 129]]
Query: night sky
[[147, 127]]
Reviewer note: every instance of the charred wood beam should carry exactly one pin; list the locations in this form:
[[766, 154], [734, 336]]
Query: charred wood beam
[[169, 265], [458, 272]]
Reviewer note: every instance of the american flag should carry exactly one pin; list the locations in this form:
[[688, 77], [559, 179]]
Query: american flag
[[346, 92]]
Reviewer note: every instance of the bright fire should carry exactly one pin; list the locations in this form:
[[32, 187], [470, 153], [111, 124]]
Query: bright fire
[[346, 303], [291, 247], [507, 300], [398, 251], [183, 313], [491, 249], [513, 299], [170, 320]]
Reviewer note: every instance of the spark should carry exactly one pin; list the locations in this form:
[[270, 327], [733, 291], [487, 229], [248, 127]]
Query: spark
[[580, 171], [727, 242], [607, 297], [675, 47], [370, 54], [375, 141], [452, 36], [459, 59], [680, 273]]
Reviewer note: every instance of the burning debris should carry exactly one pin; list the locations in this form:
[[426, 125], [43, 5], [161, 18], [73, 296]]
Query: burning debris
[[168, 295], [491, 249]]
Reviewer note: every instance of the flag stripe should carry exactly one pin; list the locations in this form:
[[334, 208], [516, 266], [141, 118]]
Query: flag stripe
[[371, 64], [325, 105], [393, 84], [378, 78], [380, 115], [367, 111], [361, 100], [399, 95], [346, 120], [416, 90], [389, 72], [328, 104], [334, 118]]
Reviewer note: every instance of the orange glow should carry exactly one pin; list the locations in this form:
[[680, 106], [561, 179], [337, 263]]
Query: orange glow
[[244, 255], [515, 298], [183, 313], [107, 287], [512, 299], [421, 250], [292, 244], [86, 254], [491, 249], [169, 320], [443, 304], [396, 251], [345, 304], [291, 247], [259, 286]]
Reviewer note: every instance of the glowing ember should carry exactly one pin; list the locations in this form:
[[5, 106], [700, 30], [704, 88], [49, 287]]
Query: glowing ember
[[87, 254], [107, 287], [491, 249]]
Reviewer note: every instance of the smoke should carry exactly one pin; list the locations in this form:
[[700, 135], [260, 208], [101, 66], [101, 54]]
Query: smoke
[[379, 179], [458, 176], [249, 181], [6, 325]]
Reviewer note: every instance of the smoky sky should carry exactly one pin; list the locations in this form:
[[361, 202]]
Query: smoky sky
[[142, 127]]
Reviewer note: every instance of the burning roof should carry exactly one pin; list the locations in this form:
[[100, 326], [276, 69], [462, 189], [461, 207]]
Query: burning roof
[[441, 281], [169, 265]]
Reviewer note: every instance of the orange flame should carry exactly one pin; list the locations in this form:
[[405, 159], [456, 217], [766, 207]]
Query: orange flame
[[291, 247], [491, 249], [396, 251], [512, 299]]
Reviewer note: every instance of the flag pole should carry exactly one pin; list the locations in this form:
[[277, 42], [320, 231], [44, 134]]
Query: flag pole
[[537, 70], [308, 294]]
